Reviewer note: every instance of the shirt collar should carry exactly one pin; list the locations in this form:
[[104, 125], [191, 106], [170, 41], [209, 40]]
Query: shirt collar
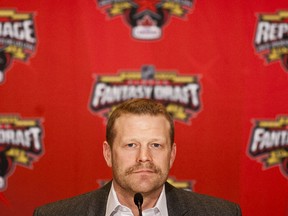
[[161, 203], [113, 203]]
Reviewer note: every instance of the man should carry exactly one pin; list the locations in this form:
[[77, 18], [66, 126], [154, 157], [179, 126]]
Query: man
[[140, 149]]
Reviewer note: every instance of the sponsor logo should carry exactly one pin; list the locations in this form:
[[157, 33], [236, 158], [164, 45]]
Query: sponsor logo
[[20, 144], [146, 17], [180, 94], [17, 38], [269, 143], [186, 185], [271, 37]]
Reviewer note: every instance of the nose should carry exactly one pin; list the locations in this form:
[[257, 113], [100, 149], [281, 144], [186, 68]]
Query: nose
[[144, 154]]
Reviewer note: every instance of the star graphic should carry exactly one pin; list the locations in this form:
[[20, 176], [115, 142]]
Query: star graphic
[[146, 21], [146, 5]]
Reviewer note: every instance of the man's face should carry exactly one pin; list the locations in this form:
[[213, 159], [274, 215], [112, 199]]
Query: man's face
[[141, 155]]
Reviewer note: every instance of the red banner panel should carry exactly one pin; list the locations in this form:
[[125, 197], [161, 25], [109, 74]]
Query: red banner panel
[[220, 68]]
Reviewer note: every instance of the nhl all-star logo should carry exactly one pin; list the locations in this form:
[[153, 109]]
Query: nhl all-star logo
[[179, 93], [269, 143], [17, 38], [146, 17], [20, 144], [271, 37]]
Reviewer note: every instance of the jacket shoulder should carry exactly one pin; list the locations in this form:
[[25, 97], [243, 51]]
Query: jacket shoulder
[[84, 204], [191, 203]]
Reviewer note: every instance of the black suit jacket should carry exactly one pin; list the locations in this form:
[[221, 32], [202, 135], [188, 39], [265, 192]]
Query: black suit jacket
[[179, 203]]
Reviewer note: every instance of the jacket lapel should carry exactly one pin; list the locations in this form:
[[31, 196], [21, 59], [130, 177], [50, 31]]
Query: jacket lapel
[[175, 205], [98, 203]]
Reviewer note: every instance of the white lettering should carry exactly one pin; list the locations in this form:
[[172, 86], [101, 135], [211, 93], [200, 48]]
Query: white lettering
[[18, 30], [28, 138], [266, 140], [181, 94], [257, 137], [105, 94], [267, 32]]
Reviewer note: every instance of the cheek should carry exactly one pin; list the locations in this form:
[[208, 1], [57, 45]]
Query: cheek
[[123, 159], [161, 160]]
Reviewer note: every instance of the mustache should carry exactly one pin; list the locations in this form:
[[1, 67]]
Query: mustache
[[139, 166]]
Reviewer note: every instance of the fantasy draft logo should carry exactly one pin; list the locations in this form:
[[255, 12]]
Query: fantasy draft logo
[[271, 38], [17, 38], [20, 144], [269, 143], [180, 94], [146, 17]]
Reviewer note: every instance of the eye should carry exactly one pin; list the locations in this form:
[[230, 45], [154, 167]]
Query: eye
[[156, 145], [131, 145]]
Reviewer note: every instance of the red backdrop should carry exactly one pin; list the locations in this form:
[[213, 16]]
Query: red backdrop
[[77, 41]]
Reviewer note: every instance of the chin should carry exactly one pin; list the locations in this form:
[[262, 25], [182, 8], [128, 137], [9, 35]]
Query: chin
[[146, 186]]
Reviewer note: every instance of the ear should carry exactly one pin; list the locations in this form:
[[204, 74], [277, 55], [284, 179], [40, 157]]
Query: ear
[[107, 153], [172, 154]]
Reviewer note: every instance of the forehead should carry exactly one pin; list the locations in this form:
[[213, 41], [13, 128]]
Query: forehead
[[134, 122]]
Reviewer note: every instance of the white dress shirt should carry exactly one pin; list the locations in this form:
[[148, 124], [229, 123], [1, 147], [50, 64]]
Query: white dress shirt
[[114, 208]]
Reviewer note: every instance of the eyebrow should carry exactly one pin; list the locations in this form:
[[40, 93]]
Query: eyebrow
[[133, 139]]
